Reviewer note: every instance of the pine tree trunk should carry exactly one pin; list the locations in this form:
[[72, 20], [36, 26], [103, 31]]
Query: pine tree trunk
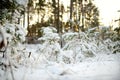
[[58, 18], [24, 18], [28, 27], [71, 9]]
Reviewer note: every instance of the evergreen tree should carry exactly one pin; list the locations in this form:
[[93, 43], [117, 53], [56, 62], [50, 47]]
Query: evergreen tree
[[7, 9], [56, 12], [88, 14], [71, 12], [29, 5], [40, 7], [54, 3], [91, 15]]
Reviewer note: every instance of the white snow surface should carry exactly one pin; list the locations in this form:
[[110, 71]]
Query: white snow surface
[[84, 71], [101, 67]]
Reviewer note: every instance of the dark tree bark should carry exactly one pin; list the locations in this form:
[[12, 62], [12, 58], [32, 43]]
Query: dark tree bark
[[71, 9]]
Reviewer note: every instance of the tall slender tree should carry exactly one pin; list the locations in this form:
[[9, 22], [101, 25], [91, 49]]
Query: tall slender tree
[[62, 11], [58, 15], [56, 12], [54, 6], [91, 15], [7, 9], [71, 10], [29, 5], [40, 7], [88, 14]]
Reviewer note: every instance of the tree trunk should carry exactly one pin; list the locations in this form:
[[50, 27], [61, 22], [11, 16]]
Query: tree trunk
[[58, 18], [38, 15], [82, 8], [24, 18], [28, 27], [71, 9]]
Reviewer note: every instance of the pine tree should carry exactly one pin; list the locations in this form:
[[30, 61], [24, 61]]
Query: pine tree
[[7, 9], [29, 5], [91, 15]]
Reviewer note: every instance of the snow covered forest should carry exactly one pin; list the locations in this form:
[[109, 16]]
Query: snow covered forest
[[48, 40]]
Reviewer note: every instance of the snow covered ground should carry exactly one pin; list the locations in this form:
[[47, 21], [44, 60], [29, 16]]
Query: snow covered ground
[[102, 67], [108, 70]]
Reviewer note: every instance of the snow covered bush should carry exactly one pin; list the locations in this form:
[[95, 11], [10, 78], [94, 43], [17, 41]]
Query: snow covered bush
[[14, 53], [116, 40], [86, 46], [69, 36], [14, 33], [80, 44], [116, 47], [50, 47], [93, 33], [66, 56]]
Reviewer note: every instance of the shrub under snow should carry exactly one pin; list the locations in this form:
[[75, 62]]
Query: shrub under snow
[[77, 46], [14, 33], [50, 48]]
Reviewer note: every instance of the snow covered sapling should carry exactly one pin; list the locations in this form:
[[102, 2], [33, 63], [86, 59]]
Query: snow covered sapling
[[69, 36], [5, 62], [15, 33], [116, 47], [81, 46], [50, 47]]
